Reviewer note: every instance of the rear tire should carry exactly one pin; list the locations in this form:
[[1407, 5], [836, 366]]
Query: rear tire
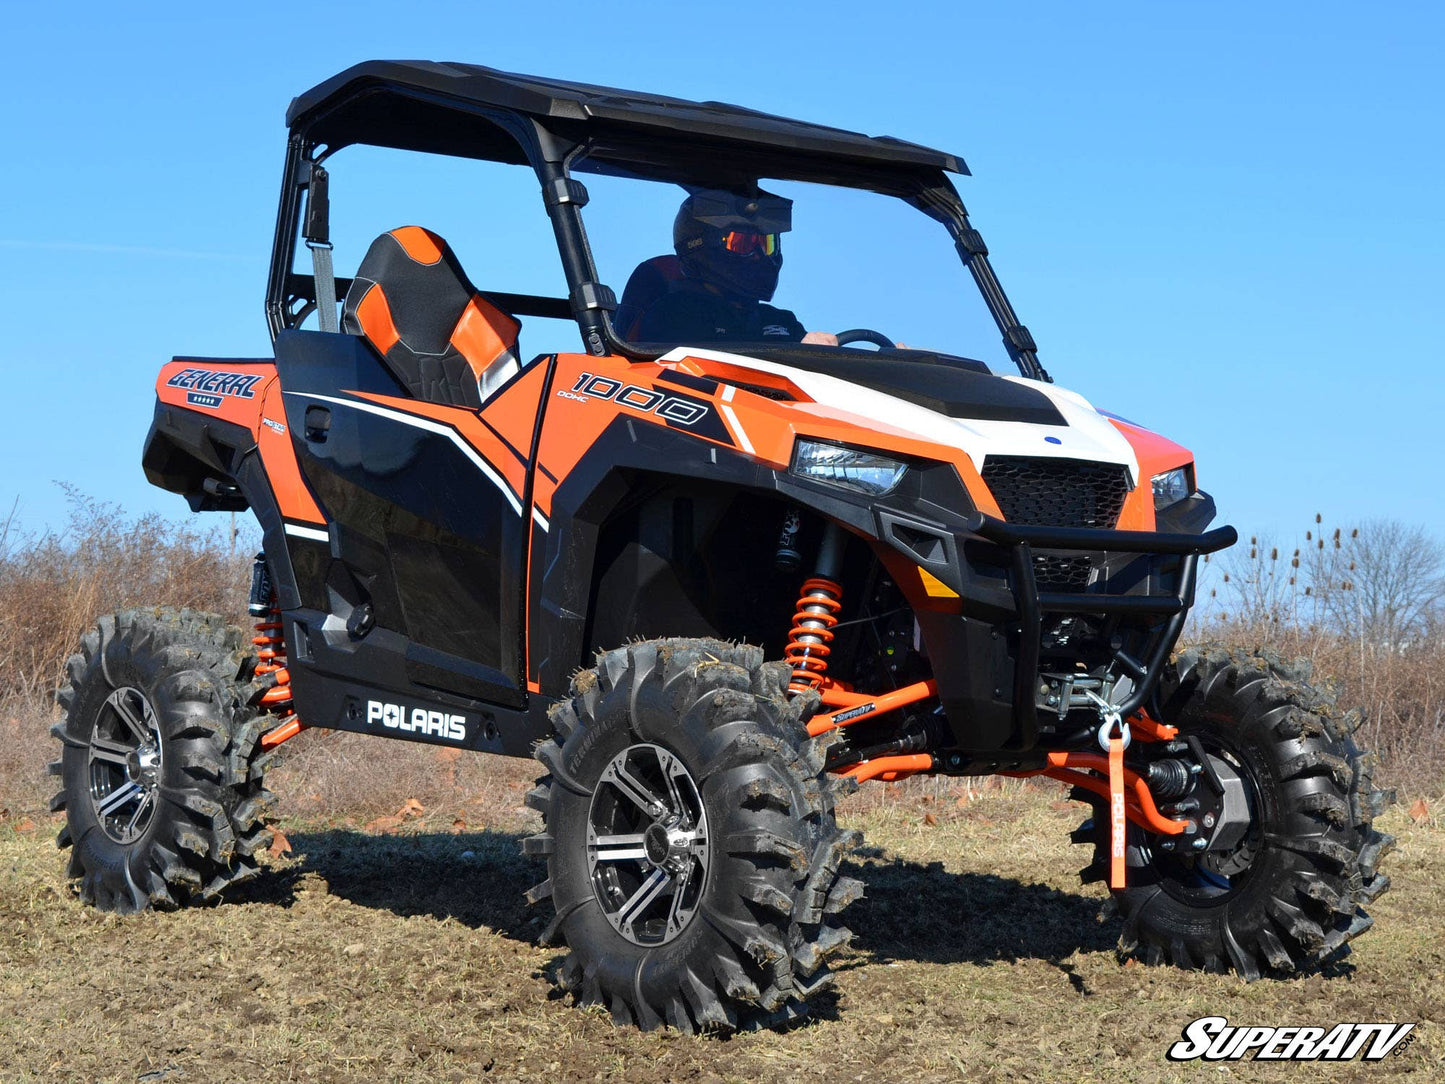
[[161, 772], [744, 933], [1291, 895]]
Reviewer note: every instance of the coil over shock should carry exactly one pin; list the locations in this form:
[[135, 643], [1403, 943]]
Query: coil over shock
[[270, 643], [812, 633], [810, 640]]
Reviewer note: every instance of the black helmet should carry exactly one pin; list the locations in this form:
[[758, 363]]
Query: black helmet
[[732, 240]]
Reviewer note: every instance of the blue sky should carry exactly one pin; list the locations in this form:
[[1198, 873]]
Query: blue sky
[[1223, 221]]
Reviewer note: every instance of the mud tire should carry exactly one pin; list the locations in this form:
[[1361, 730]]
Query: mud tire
[[1317, 854], [210, 804], [766, 926]]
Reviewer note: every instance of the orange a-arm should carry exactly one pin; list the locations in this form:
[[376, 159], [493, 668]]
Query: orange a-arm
[[1079, 769]]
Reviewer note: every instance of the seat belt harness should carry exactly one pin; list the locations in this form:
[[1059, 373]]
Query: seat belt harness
[[317, 232]]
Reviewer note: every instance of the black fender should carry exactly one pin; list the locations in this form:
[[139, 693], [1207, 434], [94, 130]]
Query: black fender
[[630, 457], [216, 466]]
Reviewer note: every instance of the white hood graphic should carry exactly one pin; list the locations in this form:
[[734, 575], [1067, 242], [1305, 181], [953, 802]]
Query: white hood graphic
[[1087, 435]]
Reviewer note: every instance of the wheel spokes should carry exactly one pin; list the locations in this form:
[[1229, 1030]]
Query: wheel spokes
[[697, 846], [640, 900], [125, 754], [635, 790], [670, 773], [135, 724], [674, 909], [648, 871], [141, 807], [616, 848], [119, 798], [112, 752]]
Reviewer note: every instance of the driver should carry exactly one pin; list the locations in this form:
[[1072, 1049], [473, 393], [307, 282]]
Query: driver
[[729, 246]]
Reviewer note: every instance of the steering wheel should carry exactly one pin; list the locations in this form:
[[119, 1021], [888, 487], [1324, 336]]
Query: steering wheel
[[866, 335]]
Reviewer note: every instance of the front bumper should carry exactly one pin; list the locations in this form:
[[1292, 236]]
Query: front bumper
[[993, 660]]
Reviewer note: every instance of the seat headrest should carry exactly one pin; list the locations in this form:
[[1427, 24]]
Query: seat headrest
[[413, 302], [423, 292], [652, 279]]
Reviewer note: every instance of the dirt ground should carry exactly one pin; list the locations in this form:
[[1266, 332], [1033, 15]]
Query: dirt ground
[[405, 952]]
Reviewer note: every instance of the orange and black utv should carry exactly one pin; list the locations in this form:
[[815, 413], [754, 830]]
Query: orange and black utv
[[712, 569]]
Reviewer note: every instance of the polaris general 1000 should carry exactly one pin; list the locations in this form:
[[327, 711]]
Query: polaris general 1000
[[737, 551]]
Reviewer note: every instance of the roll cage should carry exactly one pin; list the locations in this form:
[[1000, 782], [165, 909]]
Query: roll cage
[[554, 126]]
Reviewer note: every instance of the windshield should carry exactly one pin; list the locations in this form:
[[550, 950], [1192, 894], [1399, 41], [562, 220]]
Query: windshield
[[772, 266]]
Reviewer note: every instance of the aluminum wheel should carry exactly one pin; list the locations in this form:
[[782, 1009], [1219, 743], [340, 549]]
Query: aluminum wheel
[[647, 845], [125, 765]]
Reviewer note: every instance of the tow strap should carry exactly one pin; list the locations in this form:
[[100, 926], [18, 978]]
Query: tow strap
[[1118, 824], [1114, 739]]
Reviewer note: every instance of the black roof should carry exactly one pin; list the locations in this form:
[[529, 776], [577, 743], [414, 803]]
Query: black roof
[[381, 101]]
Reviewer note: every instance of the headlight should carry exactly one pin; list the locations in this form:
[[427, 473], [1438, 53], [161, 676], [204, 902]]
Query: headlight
[[847, 468], [1171, 487]]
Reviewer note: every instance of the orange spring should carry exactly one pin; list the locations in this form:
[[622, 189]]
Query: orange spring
[[812, 633], [270, 652]]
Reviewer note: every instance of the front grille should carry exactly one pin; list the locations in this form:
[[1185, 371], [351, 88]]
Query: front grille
[[1039, 492], [1054, 572]]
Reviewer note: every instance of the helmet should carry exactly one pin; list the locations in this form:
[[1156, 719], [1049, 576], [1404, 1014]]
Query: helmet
[[733, 241]]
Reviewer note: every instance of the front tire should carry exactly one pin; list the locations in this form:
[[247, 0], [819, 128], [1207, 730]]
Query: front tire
[[1291, 894], [692, 851], [161, 773]]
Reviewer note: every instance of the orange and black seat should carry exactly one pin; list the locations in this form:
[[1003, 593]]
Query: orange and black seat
[[442, 339]]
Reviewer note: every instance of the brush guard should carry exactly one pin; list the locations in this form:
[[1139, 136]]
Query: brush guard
[[1119, 696], [1137, 677], [1031, 605]]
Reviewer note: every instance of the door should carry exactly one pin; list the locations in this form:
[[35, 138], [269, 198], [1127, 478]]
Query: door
[[424, 554]]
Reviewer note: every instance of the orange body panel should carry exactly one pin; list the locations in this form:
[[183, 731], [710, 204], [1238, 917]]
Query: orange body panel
[[512, 412], [194, 385], [231, 391], [761, 427], [768, 430], [278, 455], [573, 422], [249, 395], [1156, 455]]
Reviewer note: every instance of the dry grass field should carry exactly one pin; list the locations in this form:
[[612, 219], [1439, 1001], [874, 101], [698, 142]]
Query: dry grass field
[[403, 951], [391, 941]]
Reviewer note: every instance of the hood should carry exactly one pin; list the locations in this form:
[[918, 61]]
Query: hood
[[955, 403]]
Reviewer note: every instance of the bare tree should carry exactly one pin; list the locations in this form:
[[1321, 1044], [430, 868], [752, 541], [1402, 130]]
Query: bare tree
[[1257, 585], [1383, 582]]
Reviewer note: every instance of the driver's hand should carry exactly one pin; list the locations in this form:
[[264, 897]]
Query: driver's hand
[[821, 338]]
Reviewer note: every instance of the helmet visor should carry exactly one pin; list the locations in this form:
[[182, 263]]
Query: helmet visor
[[742, 243]]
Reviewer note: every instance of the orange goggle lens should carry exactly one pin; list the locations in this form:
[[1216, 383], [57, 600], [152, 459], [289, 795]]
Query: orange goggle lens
[[744, 243]]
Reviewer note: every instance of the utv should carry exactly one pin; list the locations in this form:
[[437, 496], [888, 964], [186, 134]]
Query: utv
[[711, 570]]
